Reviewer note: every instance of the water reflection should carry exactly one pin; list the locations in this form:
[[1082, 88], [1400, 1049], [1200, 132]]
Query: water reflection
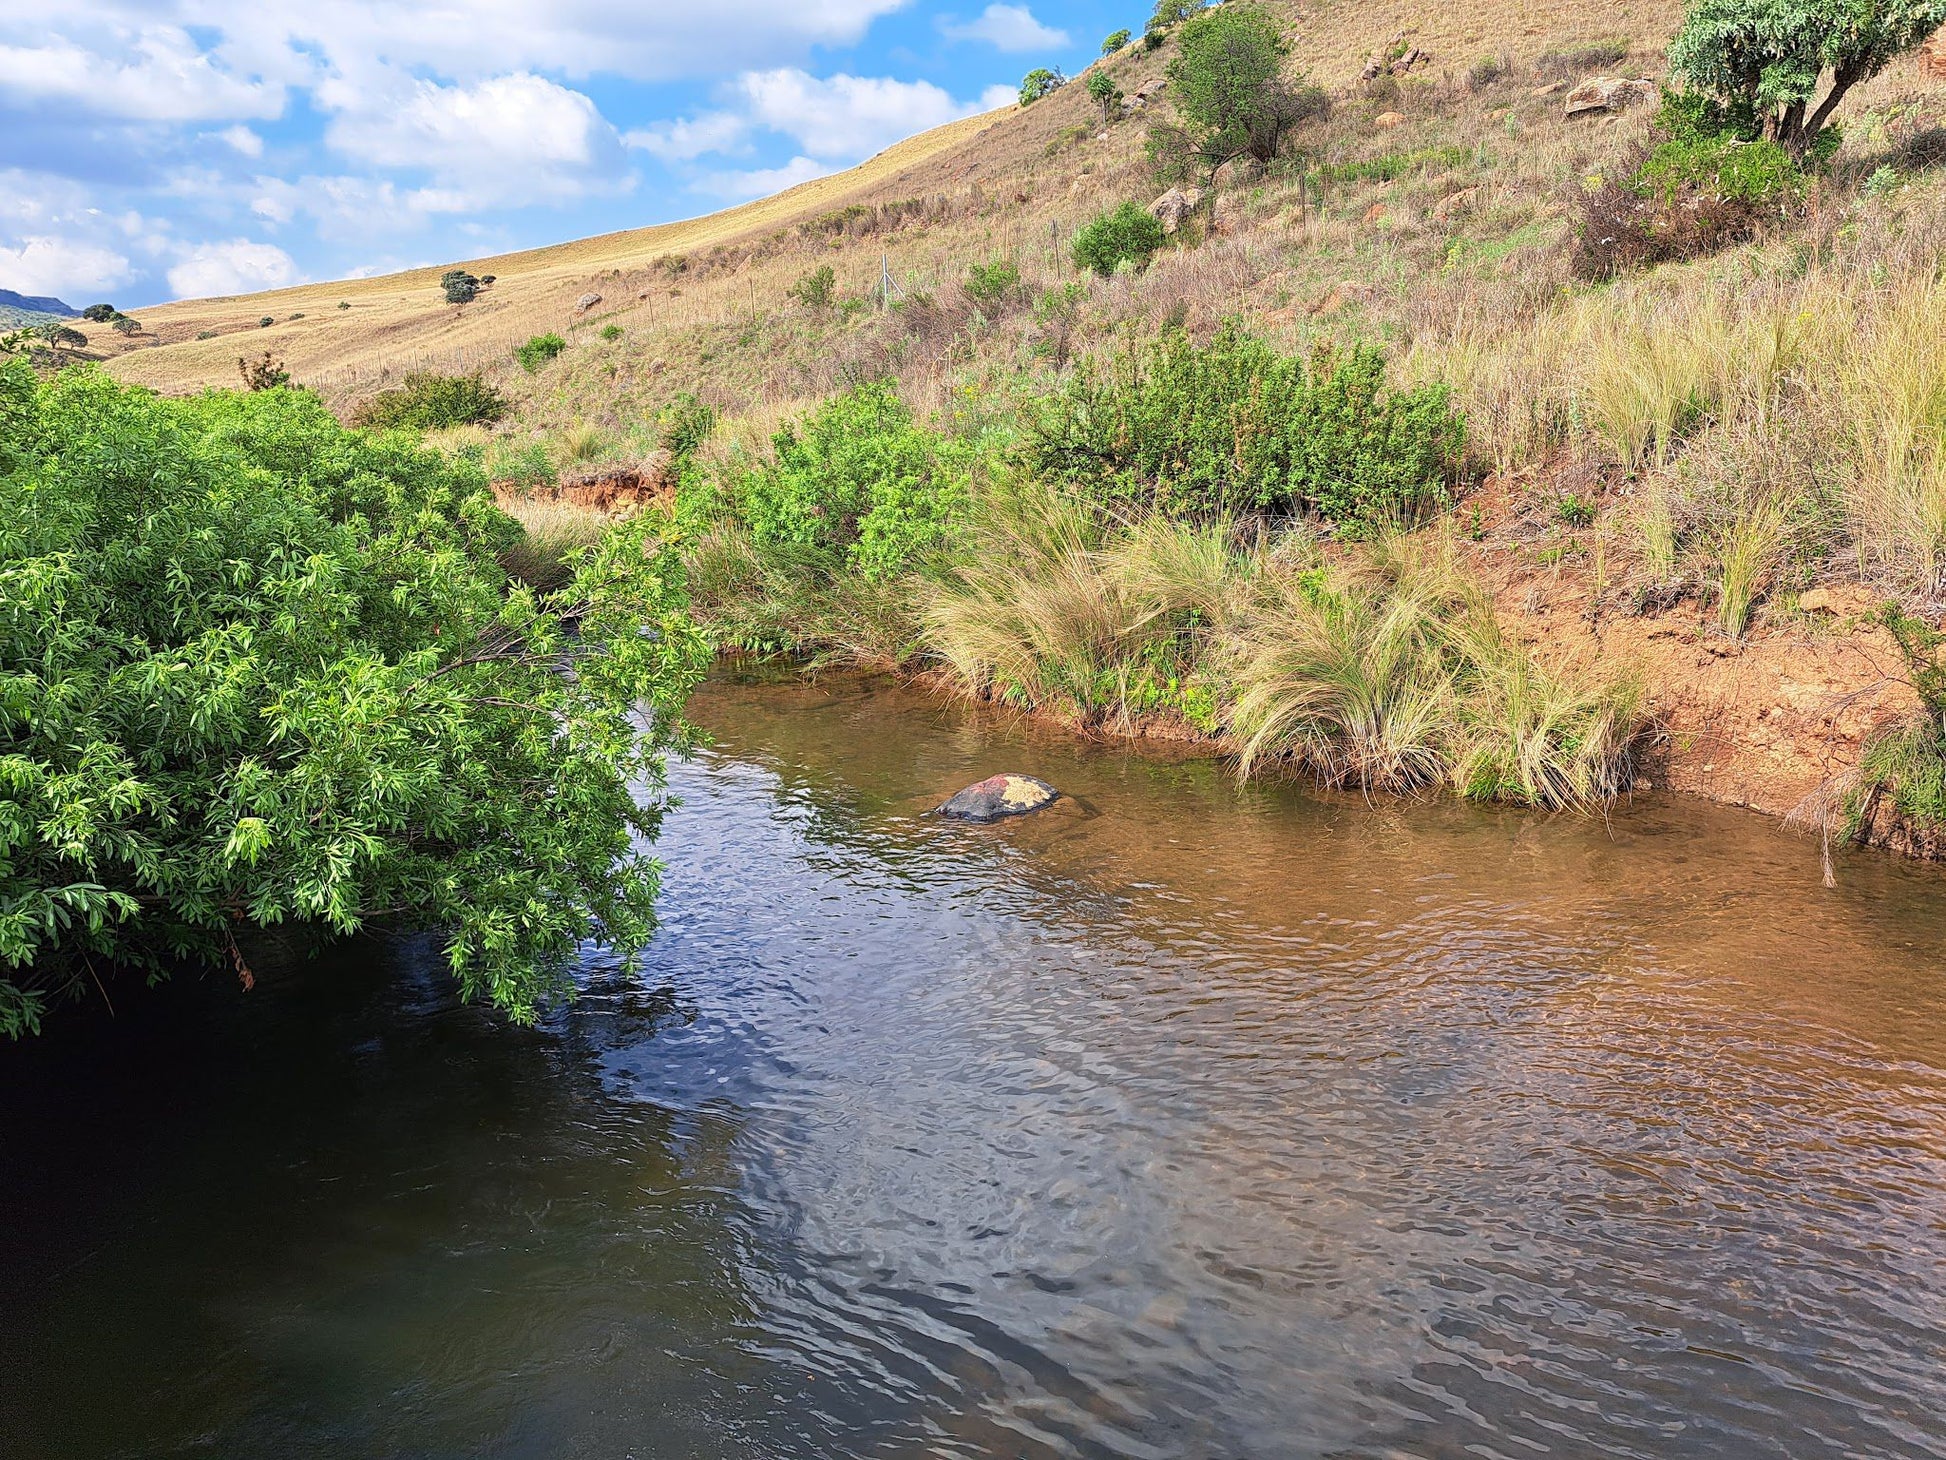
[[1177, 1121]]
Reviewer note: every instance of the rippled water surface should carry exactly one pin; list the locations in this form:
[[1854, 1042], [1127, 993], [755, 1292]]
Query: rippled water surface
[[1176, 1121]]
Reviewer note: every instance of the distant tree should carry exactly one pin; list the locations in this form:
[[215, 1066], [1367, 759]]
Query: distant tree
[[266, 322], [1106, 94], [460, 287], [1115, 42], [63, 337], [344, 304], [264, 373], [1765, 59], [1038, 83], [816, 289], [1230, 93], [1167, 15], [99, 313], [123, 325]]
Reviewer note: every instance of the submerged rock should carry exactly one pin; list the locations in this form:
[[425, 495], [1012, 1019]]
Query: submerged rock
[[999, 796]]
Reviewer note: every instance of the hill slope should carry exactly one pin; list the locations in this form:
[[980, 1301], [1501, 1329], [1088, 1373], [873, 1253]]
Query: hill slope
[[19, 309]]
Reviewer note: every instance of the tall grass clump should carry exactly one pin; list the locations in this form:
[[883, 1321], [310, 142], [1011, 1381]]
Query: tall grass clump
[[1890, 378], [552, 532], [429, 402]]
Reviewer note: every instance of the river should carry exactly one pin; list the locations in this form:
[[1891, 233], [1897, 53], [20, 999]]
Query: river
[[1177, 1121]]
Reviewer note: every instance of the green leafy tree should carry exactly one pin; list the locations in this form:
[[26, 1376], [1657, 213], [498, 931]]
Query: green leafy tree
[[1105, 93], [1230, 92], [121, 324], [459, 286], [1040, 82], [260, 670], [62, 337], [99, 313], [1127, 236], [1766, 59], [1115, 42]]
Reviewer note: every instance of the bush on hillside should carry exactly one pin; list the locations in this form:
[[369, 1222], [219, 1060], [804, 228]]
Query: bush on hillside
[[1126, 236], [459, 286], [993, 282], [1105, 94], [816, 289], [262, 670], [538, 351], [685, 423], [1232, 426], [857, 484], [1231, 95], [1039, 83], [429, 402], [1115, 41]]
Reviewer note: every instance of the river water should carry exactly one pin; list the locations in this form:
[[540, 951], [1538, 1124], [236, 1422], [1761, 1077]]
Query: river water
[[1176, 1121]]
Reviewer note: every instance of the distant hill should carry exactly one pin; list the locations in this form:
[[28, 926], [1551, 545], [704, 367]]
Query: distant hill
[[19, 309]]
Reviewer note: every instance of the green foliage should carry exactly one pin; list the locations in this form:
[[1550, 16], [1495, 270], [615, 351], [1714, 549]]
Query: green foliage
[[1104, 93], [1233, 426], [1127, 235], [1040, 82], [523, 465], [459, 286], [686, 423], [1115, 41], [61, 336], [1169, 13], [1908, 759], [429, 402], [1394, 165], [1766, 58], [611, 333], [266, 372], [266, 322], [858, 486], [344, 304], [1230, 92], [1721, 167], [816, 289], [123, 325], [539, 350], [99, 313], [993, 282], [256, 669]]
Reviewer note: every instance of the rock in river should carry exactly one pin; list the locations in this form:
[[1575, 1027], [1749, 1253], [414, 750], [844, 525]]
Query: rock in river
[[999, 796]]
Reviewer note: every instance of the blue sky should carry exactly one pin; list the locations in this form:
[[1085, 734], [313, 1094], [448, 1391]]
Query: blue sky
[[161, 149]]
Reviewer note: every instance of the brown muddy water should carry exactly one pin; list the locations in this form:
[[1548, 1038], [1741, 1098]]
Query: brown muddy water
[[1177, 1121]]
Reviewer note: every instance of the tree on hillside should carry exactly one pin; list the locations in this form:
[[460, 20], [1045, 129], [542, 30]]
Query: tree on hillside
[[61, 336], [123, 325], [99, 313], [1765, 59], [1041, 81], [1231, 94], [460, 287], [1115, 42], [1106, 94]]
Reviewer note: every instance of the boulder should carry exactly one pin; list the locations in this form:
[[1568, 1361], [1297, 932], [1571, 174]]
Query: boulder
[[1553, 88], [587, 302], [998, 797], [1175, 205], [1603, 94]]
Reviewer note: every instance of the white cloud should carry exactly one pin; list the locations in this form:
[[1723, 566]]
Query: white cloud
[[43, 264], [157, 75], [846, 116], [740, 187], [509, 140], [239, 266], [246, 142], [687, 138], [1007, 28]]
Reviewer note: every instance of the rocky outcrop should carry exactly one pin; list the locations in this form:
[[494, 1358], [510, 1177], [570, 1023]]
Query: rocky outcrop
[[1603, 94], [622, 485], [998, 797], [586, 302], [1174, 206]]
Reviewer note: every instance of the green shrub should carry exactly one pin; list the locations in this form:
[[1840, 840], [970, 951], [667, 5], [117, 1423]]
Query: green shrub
[[816, 289], [686, 423], [992, 283], [858, 485], [539, 350], [266, 322], [1127, 235], [523, 465], [429, 402], [1115, 41], [459, 286], [611, 333], [1233, 426], [1038, 83], [262, 670]]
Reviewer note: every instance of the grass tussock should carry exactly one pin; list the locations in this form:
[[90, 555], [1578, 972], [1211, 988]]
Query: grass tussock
[[552, 532]]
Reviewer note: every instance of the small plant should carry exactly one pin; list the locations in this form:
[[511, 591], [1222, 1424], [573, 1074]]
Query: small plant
[[538, 351], [1126, 236], [611, 333], [1105, 94], [344, 304], [583, 443], [1115, 41], [428, 402], [266, 322], [1573, 510], [993, 282], [459, 286], [816, 289], [686, 423], [1041, 82], [206, 334], [266, 372], [1485, 71], [1883, 182]]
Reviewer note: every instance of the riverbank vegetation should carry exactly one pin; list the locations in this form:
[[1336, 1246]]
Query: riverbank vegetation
[[257, 669]]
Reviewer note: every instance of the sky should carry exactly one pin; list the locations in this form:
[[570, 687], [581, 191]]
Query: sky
[[168, 149]]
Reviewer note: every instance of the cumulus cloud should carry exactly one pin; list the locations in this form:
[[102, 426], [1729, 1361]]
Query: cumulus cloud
[[242, 140], [1006, 28], [42, 264], [741, 187], [239, 266], [158, 74], [687, 138], [846, 116]]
